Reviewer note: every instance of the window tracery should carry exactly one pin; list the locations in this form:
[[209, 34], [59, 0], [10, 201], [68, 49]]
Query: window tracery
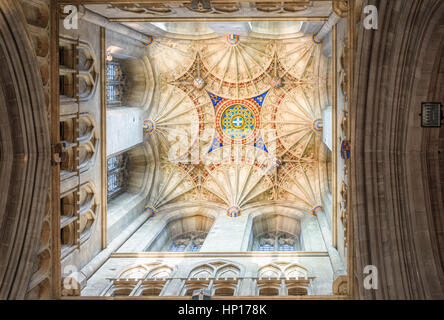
[[283, 278], [221, 278], [141, 280], [78, 212], [115, 83], [117, 172], [277, 241], [188, 242]]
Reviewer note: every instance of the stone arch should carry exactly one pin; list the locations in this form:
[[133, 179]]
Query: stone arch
[[181, 226], [161, 271], [79, 72], [88, 142], [394, 162], [278, 225], [25, 149], [203, 271], [139, 271], [295, 270], [283, 269], [133, 81], [228, 271], [270, 271], [128, 204], [79, 211]]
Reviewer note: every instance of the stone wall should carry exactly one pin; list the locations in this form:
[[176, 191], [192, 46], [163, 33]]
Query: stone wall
[[25, 194], [396, 176]]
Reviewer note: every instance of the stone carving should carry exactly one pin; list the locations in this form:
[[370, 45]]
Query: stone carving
[[341, 8], [340, 285], [344, 123], [70, 287], [343, 210], [144, 8], [343, 73], [215, 7], [282, 7], [203, 6], [79, 211]]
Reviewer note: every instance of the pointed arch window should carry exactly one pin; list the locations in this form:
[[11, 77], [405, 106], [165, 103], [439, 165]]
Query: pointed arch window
[[178, 247], [117, 169], [190, 242], [115, 83], [277, 241]]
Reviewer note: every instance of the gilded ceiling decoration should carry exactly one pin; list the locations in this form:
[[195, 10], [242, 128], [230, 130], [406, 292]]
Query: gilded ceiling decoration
[[238, 122]]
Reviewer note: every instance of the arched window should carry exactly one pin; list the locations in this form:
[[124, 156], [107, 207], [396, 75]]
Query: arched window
[[283, 278], [191, 241], [183, 234], [220, 278], [224, 292], [117, 175], [277, 241], [269, 291], [122, 292], [115, 83], [141, 280], [134, 272], [286, 242], [151, 291], [297, 291], [275, 232]]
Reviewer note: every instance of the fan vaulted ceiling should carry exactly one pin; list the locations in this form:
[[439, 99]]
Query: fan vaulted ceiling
[[238, 121]]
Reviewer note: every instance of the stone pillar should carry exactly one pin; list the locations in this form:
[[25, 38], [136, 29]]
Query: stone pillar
[[311, 234], [336, 262], [124, 129], [226, 235], [325, 228], [247, 286], [173, 287], [335, 259], [327, 27]]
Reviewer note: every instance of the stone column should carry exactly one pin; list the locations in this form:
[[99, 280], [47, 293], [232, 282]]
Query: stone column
[[335, 259], [225, 235], [173, 287], [311, 234], [247, 286], [327, 27]]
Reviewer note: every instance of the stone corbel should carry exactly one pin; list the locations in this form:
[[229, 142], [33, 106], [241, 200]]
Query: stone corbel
[[73, 284], [341, 8], [206, 4], [59, 153], [340, 285]]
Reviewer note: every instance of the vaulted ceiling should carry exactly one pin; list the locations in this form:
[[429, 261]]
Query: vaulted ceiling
[[238, 121]]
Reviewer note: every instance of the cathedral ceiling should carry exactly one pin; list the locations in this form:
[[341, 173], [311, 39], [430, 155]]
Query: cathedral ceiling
[[238, 122]]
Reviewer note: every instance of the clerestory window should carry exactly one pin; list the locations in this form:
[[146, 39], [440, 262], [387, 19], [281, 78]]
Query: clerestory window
[[190, 242], [117, 167], [277, 241], [115, 83]]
